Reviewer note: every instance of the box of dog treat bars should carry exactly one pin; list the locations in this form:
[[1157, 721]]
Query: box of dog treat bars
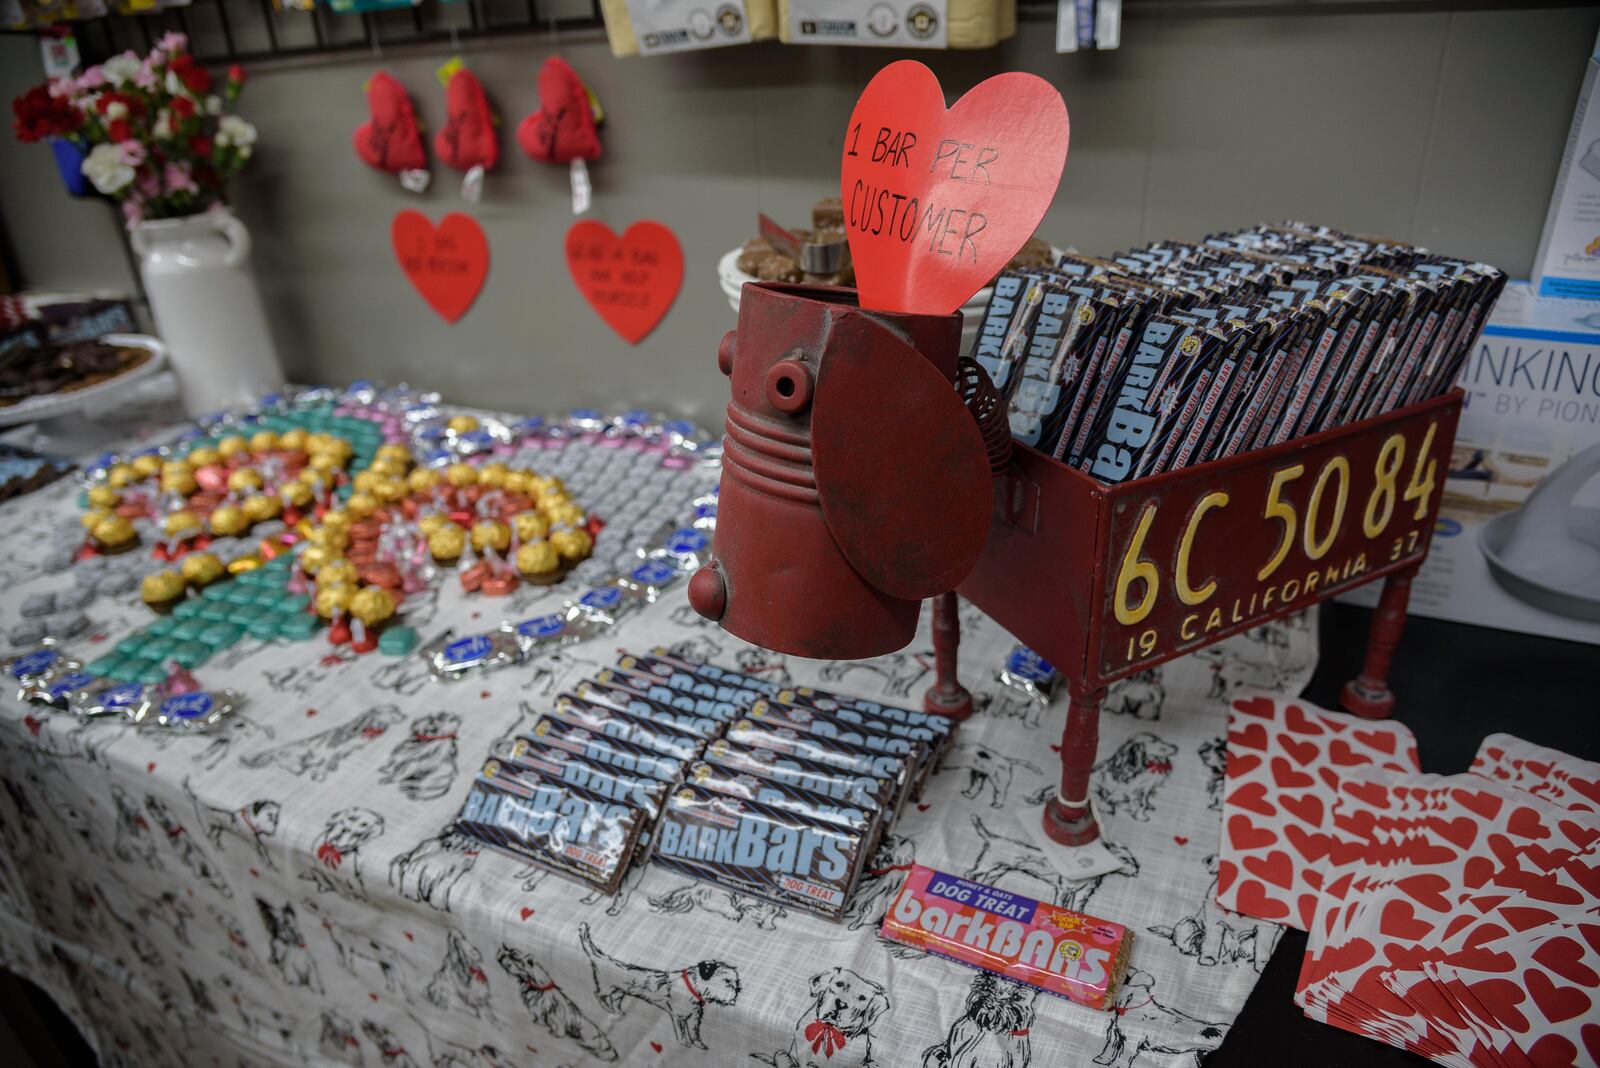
[[1060, 951]]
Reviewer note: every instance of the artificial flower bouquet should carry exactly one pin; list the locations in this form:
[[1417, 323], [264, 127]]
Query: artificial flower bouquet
[[156, 134]]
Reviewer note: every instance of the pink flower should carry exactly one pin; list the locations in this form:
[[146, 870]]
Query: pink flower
[[149, 184], [133, 211], [92, 78], [133, 152], [172, 41], [178, 179]]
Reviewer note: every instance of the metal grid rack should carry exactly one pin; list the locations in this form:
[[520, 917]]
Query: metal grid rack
[[224, 31]]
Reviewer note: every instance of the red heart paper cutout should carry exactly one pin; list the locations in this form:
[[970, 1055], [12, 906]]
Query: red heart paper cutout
[[391, 140], [1253, 901], [1246, 835], [1564, 957], [468, 139], [1252, 796], [1399, 920], [563, 129], [1296, 720], [1254, 736], [447, 264], [1558, 1003], [1287, 778], [1303, 752], [526, 912], [1308, 808], [1381, 740], [1263, 707], [1311, 846], [630, 281], [1239, 765], [1275, 868], [936, 202]]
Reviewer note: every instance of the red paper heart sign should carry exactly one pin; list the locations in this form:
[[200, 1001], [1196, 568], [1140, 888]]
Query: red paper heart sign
[[632, 280], [391, 140], [447, 264], [937, 201], [563, 129]]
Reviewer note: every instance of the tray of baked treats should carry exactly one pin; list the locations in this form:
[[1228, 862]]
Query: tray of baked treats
[[50, 378]]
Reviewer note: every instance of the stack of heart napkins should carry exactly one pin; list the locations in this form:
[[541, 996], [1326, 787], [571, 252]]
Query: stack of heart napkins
[[1456, 916]]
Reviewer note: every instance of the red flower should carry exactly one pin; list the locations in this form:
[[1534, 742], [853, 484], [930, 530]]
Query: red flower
[[200, 146], [194, 77], [119, 130], [182, 107], [236, 74], [40, 115]]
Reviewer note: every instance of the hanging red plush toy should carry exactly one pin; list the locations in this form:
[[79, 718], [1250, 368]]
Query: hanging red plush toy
[[468, 141], [565, 128], [391, 140]]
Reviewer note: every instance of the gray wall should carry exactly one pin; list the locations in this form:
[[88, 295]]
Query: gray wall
[[1445, 129]]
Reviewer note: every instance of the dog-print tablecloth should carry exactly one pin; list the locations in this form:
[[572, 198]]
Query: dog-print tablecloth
[[289, 890]]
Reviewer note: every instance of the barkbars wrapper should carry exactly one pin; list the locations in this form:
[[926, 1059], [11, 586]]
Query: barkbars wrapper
[[1061, 952]]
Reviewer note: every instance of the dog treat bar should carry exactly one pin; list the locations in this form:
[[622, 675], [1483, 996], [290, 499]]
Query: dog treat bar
[[1175, 354], [720, 778], [1060, 951], [615, 723], [855, 709], [833, 751], [836, 784], [527, 757], [616, 752], [565, 828], [630, 700], [915, 753], [752, 848]]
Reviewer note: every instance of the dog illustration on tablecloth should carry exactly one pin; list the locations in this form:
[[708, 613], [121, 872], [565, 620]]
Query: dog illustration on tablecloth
[[988, 771], [835, 1031], [1140, 695], [550, 1007], [697, 649], [260, 1021], [898, 672], [300, 679], [1002, 860], [533, 877], [461, 979], [681, 993], [1214, 755], [288, 953], [429, 872], [1126, 780], [336, 868], [337, 1041], [391, 1052], [765, 665], [1141, 1024], [239, 728], [239, 952], [424, 763], [406, 676], [251, 824], [132, 837], [187, 849], [320, 755], [169, 910], [143, 948], [352, 947], [1011, 704], [994, 1031], [1213, 935], [725, 903], [881, 881]]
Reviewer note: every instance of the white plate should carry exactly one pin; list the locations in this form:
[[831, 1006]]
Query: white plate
[[53, 404]]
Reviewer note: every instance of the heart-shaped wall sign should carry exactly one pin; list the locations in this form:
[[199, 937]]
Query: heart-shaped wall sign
[[937, 201], [447, 264], [632, 280]]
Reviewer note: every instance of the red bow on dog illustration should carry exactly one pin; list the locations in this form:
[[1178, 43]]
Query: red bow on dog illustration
[[825, 1038], [468, 141], [391, 140]]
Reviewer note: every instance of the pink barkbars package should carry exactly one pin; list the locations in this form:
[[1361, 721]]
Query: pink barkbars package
[[1057, 950]]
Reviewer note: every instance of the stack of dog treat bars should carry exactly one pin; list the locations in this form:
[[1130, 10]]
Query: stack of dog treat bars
[[778, 793]]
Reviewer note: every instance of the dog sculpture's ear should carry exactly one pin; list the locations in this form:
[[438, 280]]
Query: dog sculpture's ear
[[820, 980]]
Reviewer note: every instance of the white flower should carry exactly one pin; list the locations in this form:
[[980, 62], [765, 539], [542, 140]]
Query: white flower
[[175, 84], [120, 70], [213, 104], [237, 130], [116, 110], [105, 169], [222, 140], [244, 153], [162, 128]]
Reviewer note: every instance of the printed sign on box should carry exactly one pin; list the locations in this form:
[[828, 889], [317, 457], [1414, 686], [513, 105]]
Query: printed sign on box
[[686, 25], [1517, 541], [887, 23], [1568, 261]]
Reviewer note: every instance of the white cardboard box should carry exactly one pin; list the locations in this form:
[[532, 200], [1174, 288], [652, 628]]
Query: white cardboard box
[[1568, 261], [1533, 404]]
